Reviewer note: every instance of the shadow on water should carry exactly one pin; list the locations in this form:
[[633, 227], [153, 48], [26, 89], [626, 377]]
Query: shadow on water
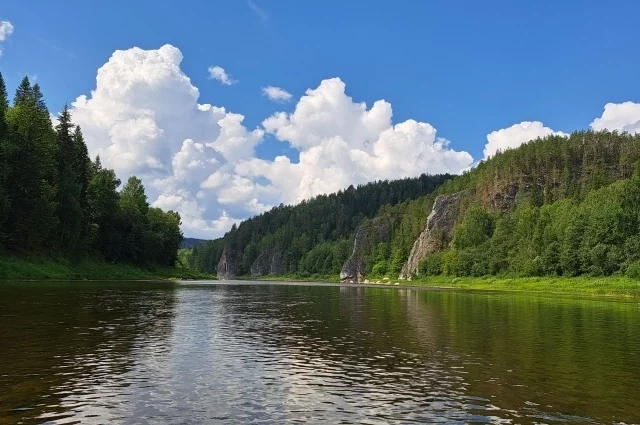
[[261, 353], [67, 349]]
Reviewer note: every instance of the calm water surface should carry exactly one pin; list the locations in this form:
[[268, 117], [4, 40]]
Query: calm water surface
[[161, 353]]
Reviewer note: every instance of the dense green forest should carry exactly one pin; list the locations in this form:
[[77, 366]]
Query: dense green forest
[[55, 201], [575, 210], [559, 206], [314, 236]]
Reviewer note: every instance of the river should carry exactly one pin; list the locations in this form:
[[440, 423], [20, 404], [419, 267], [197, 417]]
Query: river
[[269, 353]]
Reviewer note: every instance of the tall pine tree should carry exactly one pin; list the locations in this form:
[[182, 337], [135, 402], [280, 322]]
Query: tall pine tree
[[69, 213], [4, 166], [31, 171]]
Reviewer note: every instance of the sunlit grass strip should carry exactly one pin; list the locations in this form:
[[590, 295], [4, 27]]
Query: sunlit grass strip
[[584, 285], [36, 268], [610, 286]]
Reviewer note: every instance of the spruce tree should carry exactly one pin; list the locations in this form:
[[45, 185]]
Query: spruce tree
[[23, 92], [103, 201], [4, 166], [69, 211], [82, 171], [31, 172]]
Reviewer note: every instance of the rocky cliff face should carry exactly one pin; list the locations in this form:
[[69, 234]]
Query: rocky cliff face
[[437, 233], [269, 262], [500, 198], [226, 269], [367, 237]]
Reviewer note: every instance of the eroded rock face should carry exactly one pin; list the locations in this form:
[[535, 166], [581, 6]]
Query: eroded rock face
[[226, 269], [367, 237], [269, 262], [501, 198], [437, 233], [276, 266]]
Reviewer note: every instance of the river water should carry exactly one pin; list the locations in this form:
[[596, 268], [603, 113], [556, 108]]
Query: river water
[[206, 352]]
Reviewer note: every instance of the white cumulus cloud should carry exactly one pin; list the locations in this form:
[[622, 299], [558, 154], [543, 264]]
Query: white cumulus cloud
[[277, 94], [6, 29], [517, 134], [218, 73], [342, 142], [144, 118], [619, 116]]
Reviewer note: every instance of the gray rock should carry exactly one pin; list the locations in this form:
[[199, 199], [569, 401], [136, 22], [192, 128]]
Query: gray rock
[[226, 269], [276, 266], [269, 262], [437, 233], [502, 199], [367, 237]]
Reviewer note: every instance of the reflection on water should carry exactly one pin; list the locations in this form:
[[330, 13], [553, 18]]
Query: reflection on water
[[271, 354]]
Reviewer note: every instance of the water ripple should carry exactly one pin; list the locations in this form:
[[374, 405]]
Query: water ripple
[[273, 354]]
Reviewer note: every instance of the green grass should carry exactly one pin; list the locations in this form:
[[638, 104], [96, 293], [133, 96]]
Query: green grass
[[41, 268], [583, 285], [620, 286]]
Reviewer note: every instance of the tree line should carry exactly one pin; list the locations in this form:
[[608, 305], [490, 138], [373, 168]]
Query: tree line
[[315, 236], [553, 206], [576, 211], [55, 201]]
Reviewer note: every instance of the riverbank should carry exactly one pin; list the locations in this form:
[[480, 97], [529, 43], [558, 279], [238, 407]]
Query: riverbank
[[596, 286], [36, 268], [294, 278]]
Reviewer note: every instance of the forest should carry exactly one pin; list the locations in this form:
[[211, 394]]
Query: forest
[[316, 235], [576, 211], [56, 202], [558, 206]]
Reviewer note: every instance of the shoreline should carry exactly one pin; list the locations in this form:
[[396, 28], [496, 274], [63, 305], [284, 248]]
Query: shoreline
[[47, 269], [609, 287]]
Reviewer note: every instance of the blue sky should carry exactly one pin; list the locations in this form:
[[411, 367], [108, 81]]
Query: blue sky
[[467, 68]]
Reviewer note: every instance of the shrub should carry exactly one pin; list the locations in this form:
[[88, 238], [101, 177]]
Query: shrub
[[633, 271], [431, 265]]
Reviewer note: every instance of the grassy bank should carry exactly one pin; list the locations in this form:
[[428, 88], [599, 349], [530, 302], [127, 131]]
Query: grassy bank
[[598, 286], [36, 268]]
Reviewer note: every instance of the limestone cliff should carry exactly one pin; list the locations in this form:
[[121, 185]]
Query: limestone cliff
[[226, 268], [437, 233], [367, 237], [269, 262]]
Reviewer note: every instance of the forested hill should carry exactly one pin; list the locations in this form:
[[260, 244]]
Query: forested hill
[[553, 206], [55, 201], [557, 206], [191, 242], [316, 230]]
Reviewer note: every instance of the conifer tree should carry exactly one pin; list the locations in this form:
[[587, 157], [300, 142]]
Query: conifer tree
[[4, 166], [82, 172], [31, 171], [69, 211], [23, 92]]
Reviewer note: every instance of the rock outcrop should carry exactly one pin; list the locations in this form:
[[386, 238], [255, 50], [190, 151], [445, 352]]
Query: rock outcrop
[[269, 262], [438, 232], [500, 198], [367, 237], [226, 268]]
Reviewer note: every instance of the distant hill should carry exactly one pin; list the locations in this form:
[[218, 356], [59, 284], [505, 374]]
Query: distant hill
[[554, 206], [191, 242], [288, 238]]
